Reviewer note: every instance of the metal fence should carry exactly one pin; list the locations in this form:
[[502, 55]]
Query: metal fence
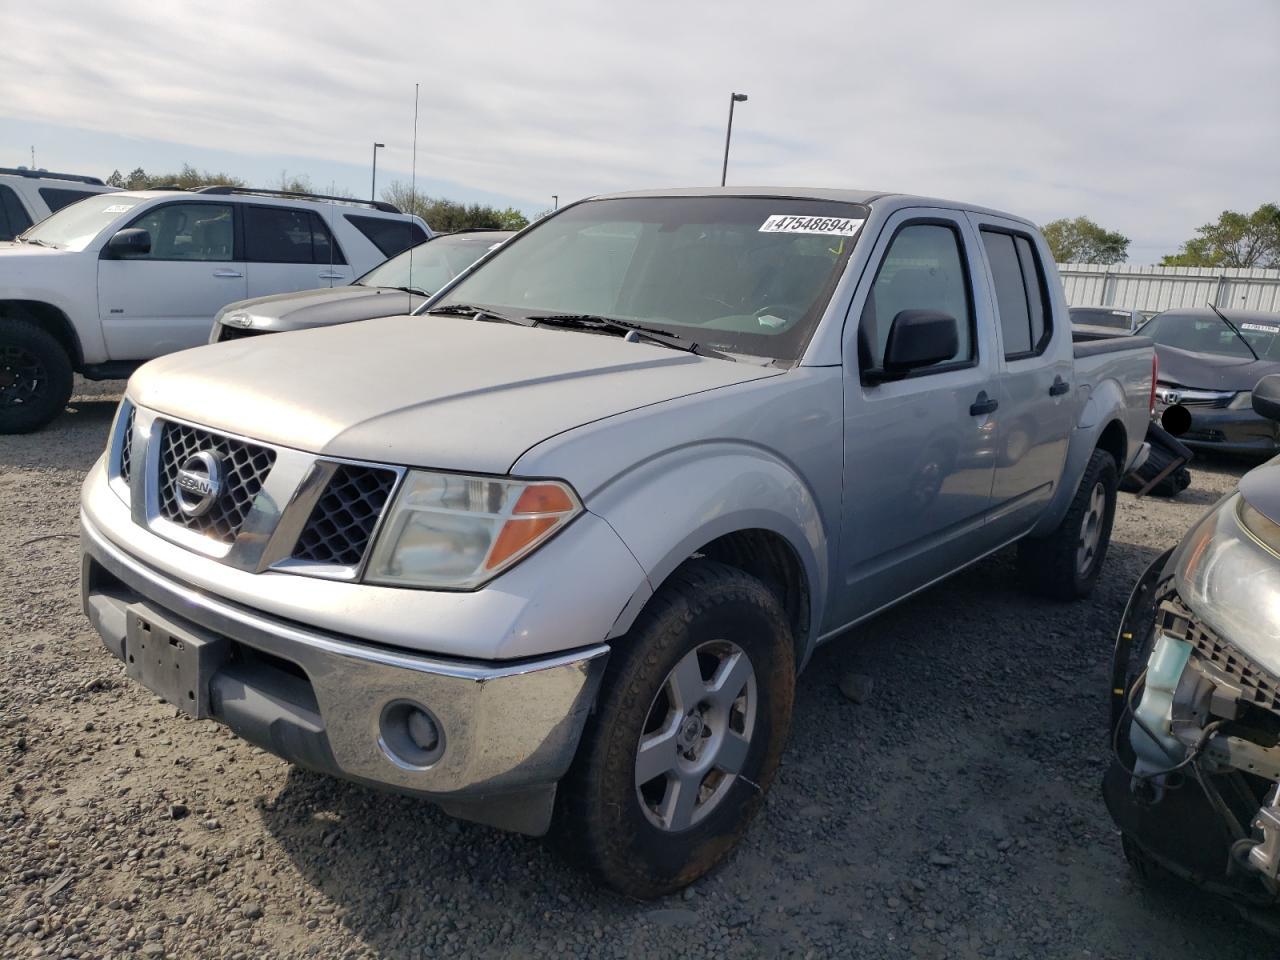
[[1152, 289]]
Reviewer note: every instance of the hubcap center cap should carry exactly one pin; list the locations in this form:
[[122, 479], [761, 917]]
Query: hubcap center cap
[[690, 731]]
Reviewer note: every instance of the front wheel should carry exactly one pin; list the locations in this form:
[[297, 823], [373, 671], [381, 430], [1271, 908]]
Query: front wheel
[[692, 718], [1065, 565], [35, 376]]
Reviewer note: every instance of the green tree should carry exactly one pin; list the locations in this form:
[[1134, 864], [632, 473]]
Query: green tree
[[1083, 241], [188, 178], [117, 179], [446, 216], [1234, 240]]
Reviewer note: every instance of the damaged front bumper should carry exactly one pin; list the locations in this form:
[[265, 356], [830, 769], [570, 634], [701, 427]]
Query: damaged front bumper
[[1194, 785]]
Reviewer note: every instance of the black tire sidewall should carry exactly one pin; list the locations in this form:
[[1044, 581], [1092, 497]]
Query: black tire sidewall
[[57, 369], [1101, 469], [630, 852]]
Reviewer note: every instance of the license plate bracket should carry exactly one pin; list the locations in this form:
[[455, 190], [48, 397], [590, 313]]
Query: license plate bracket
[[172, 661]]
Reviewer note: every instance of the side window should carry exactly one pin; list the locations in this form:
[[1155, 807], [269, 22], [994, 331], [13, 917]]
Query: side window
[[324, 247], [1021, 298], [58, 197], [286, 235], [388, 235], [923, 269], [13, 215], [189, 231]]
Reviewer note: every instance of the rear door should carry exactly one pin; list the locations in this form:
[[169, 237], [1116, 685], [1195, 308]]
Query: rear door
[[917, 451], [162, 301], [1036, 376], [290, 248]]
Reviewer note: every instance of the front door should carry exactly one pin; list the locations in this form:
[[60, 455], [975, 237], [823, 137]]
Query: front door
[[158, 302], [1036, 377], [918, 451]]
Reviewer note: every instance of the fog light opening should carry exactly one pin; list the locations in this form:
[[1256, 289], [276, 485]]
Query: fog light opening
[[410, 735]]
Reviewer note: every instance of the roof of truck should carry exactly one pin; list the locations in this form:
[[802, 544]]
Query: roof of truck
[[878, 198]]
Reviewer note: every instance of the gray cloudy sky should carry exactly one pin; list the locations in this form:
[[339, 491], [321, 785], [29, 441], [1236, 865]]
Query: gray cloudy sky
[[1150, 117]]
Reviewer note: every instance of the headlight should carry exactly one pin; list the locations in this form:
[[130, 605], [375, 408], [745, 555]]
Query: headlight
[[447, 530], [1241, 401], [1226, 572]]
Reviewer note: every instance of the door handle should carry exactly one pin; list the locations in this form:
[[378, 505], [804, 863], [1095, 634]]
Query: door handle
[[331, 276], [1059, 387], [983, 405], [227, 273]]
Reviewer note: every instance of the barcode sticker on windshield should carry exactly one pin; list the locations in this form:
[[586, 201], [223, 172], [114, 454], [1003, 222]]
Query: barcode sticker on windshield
[[822, 226], [119, 208], [1260, 327]]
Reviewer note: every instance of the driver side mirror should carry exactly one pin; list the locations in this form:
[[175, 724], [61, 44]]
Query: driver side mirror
[[130, 242], [917, 338], [1266, 397]]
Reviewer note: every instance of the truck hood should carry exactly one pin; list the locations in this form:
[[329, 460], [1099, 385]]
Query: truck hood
[[1211, 371], [451, 393], [316, 308], [11, 251]]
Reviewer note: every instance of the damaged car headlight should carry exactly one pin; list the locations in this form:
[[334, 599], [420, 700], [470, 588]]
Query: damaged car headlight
[[1227, 570], [455, 532]]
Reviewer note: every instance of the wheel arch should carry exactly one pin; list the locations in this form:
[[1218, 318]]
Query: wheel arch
[[50, 318], [748, 510]]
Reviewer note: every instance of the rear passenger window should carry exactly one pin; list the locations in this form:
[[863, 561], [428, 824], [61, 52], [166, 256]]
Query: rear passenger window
[[58, 197], [13, 215], [389, 236], [1021, 297], [287, 235], [923, 269]]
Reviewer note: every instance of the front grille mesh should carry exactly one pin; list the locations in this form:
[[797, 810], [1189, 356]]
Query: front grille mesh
[[236, 333], [1257, 685], [244, 468], [126, 447], [340, 525]]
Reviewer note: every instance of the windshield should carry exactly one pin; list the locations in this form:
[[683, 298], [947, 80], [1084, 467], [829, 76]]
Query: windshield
[[736, 274], [1200, 334], [1101, 317], [74, 226], [432, 263]]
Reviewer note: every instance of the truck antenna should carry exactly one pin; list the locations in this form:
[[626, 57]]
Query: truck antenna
[[413, 189]]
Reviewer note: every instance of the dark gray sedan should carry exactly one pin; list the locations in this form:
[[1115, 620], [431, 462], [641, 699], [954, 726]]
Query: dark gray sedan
[[396, 286], [1209, 363]]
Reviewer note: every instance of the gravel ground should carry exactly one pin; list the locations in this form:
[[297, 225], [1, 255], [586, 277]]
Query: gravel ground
[[954, 813]]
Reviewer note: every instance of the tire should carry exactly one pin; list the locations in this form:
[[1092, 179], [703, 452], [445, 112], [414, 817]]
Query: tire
[[35, 376], [1065, 565], [645, 844]]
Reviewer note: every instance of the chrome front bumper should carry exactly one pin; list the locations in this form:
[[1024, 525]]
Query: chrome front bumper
[[510, 729]]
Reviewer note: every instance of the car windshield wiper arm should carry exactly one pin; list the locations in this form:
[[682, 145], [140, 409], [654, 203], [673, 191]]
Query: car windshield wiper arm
[[663, 337], [413, 290], [1232, 327], [471, 310], [38, 243]]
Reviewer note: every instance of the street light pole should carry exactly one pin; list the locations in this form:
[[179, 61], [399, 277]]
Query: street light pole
[[733, 98], [373, 186]]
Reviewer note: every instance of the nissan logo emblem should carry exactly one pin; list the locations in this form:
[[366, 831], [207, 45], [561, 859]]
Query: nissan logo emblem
[[199, 483]]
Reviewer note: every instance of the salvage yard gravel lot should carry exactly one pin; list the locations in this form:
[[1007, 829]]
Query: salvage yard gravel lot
[[954, 812]]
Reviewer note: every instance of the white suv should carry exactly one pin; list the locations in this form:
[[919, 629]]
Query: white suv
[[28, 196], [114, 280]]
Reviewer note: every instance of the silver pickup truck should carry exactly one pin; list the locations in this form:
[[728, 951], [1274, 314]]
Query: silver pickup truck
[[551, 552]]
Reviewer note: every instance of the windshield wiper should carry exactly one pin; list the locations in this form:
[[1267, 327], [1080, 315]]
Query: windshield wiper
[[1223, 317], [38, 243], [598, 322], [471, 310], [413, 290]]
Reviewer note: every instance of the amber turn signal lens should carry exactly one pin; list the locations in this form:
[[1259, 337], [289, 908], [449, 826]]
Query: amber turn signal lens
[[541, 507]]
